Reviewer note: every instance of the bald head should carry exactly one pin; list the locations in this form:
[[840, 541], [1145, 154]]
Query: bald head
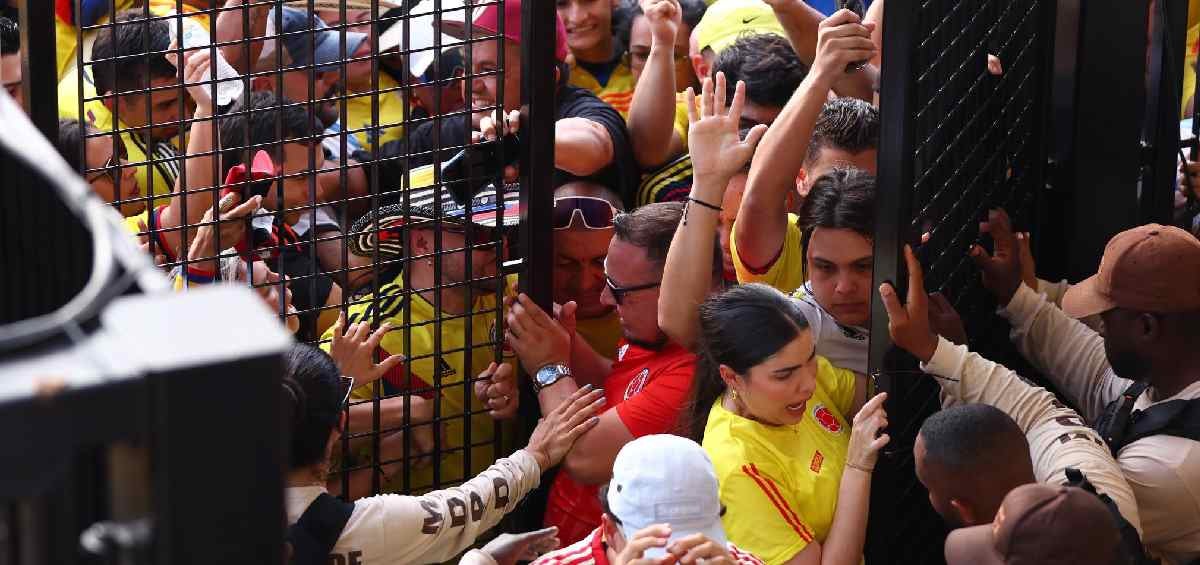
[[969, 457], [591, 189]]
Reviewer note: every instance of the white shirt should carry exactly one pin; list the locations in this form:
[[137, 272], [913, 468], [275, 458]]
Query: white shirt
[[844, 346], [432, 528], [1164, 471]]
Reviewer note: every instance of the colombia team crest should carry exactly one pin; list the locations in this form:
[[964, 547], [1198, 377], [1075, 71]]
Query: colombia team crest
[[637, 384], [826, 418]]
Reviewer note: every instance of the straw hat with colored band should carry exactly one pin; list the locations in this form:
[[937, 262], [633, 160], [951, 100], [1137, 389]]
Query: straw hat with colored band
[[727, 20], [487, 21], [425, 206]]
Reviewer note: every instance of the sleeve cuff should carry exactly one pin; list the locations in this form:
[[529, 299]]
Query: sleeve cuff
[[1023, 305], [946, 362], [527, 462]]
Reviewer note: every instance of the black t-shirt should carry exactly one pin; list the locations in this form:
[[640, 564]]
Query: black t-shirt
[[621, 174]]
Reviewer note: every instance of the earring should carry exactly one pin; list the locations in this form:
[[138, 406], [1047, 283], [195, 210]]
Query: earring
[[732, 394]]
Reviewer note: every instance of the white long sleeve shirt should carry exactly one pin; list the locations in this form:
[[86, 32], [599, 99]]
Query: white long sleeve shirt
[[431, 528], [1058, 437], [1164, 471]]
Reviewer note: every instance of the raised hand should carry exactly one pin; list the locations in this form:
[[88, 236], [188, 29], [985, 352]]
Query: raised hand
[[508, 549], [558, 430], [655, 535], [944, 319], [908, 324], [842, 40], [1002, 270], [496, 388], [714, 141], [865, 439], [353, 351], [665, 18], [538, 339]]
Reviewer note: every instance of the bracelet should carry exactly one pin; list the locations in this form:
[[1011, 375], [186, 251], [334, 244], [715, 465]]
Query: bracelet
[[705, 204], [859, 467]]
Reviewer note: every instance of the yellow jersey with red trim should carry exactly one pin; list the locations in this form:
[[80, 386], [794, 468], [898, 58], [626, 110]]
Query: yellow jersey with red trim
[[617, 91], [786, 272], [360, 121], [779, 484], [443, 373]]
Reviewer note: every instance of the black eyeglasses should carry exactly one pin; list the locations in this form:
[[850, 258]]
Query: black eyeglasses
[[619, 292], [112, 167]]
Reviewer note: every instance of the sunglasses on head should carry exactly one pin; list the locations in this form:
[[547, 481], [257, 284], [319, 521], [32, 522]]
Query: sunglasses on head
[[111, 167], [595, 213]]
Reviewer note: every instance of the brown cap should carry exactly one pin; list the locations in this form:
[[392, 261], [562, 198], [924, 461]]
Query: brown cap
[[1150, 268], [1040, 524]]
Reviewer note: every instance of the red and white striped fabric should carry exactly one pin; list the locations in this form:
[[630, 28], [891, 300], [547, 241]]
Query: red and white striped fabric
[[592, 550]]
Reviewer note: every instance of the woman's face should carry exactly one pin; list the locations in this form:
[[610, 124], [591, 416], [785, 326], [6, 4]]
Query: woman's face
[[108, 153], [640, 40], [776, 391]]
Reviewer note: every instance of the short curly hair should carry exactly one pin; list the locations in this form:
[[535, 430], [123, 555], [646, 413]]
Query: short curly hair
[[849, 124]]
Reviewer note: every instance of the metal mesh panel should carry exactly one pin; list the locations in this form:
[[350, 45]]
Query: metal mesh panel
[[344, 139], [957, 141]]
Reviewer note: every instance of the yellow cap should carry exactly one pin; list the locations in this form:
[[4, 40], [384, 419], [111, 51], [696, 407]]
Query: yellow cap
[[727, 20]]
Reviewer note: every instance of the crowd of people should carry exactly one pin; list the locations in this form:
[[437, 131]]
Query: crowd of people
[[702, 376]]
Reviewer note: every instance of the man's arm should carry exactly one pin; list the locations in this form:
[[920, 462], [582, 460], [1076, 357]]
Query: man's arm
[[763, 216], [196, 198], [651, 114], [231, 26], [800, 22], [581, 146], [717, 154]]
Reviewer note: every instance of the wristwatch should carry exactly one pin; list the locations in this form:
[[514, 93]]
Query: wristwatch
[[549, 375]]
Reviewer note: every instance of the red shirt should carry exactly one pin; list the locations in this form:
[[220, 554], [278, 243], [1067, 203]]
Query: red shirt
[[648, 389]]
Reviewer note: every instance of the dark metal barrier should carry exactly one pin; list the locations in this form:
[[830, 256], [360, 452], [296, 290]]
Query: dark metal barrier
[[956, 140], [374, 177]]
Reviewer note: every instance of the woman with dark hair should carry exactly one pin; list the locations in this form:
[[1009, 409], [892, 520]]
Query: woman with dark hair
[[393, 528], [794, 470], [773, 415]]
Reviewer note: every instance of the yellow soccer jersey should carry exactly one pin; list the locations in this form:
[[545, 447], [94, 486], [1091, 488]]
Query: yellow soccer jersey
[[601, 333], [681, 119], [787, 273], [617, 91], [157, 178], [780, 483], [391, 114], [450, 371]]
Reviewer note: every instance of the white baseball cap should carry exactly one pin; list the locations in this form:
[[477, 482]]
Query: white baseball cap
[[666, 479]]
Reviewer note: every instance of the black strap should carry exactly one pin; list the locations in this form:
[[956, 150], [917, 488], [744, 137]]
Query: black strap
[[1131, 543], [316, 532], [1114, 422]]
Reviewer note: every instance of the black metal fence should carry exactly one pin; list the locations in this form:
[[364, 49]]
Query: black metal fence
[[1036, 138], [957, 139], [378, 203]]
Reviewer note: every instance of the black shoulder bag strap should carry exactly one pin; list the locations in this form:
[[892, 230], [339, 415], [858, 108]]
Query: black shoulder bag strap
[[1114, 422], [1180, 418], [316, 532], [1131, 542]]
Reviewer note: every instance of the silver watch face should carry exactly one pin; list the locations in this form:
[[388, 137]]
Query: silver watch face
[[550, 374]]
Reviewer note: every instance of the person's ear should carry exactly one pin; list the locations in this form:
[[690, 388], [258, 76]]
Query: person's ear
[[109, 102], [966, 513], [421, 242], [1149, 327], [730, 378], [802, 186], [699, 66]]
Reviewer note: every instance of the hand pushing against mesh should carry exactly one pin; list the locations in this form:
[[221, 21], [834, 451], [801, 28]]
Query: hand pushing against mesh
[[557, 431]]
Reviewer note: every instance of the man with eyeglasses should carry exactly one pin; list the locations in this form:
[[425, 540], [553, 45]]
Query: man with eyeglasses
[[646, 384]]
